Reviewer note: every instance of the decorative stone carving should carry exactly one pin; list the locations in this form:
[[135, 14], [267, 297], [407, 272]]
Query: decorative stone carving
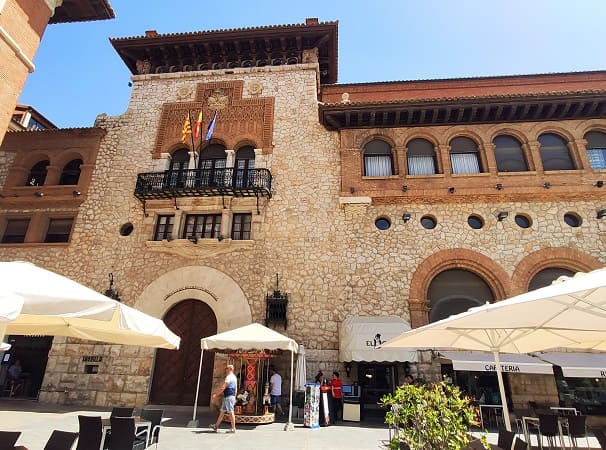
[[345, 98], [310, 56], [255, 87], [218, 100], [205, 248], [184, 92], [143, 66]]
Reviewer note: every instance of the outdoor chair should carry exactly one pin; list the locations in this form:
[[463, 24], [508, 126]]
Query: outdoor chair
[[600, 435], [549, 427], [90, 433], [577, 428], [8, 439], [61, 440], [123, 435], [519, 444], [506, 439], [155, 417], [122, 412]]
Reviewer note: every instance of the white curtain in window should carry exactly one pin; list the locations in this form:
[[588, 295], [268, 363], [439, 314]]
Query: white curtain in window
[[378, 166], [597, 158], [421, 165], [464, 163]]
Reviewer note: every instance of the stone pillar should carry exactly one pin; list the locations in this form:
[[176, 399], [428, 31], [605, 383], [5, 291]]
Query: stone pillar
[[530, 162], [53, 174], [419, 313], [230, 158], [178, 224], [226, 218], [193, 159], [488, 159], [162, 164], [260, 163], [535, 154], [444, 159], [578, 153]]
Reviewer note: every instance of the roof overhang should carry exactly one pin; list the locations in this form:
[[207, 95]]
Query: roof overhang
[[465, 110], [228, 49], [82, 11]]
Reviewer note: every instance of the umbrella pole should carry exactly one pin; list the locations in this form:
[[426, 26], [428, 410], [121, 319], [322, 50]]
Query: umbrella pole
[[290, 426], [497, 362], [193, 423]]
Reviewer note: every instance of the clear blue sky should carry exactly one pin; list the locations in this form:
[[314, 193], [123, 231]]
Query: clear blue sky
[[79, 75]]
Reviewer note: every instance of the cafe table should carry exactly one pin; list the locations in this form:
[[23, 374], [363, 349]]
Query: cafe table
[[139, 424], [489, 408]]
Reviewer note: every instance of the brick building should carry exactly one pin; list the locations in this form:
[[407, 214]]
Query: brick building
[[413, 200], [22, 24]]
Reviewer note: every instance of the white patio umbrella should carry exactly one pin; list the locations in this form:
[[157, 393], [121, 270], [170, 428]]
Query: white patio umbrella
[[570, 313], [253, 337], [37, 301], [301, 372]]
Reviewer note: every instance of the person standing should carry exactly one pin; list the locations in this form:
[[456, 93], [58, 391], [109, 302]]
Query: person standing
[[275, 385], [337, 395], [228, 389]]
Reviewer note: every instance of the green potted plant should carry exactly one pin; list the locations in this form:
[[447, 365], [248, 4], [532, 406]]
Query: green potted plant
[[429, 417]]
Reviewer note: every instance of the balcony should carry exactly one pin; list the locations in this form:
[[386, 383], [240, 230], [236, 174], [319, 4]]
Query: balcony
[[204, 183]]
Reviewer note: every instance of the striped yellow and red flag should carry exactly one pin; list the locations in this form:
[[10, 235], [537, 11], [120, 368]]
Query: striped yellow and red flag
[[186, 129], [198, 126]]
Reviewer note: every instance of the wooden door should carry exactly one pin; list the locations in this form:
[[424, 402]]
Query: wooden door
[[176, 371]]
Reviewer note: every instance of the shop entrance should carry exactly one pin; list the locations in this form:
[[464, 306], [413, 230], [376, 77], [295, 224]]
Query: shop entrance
[[176, 371], [376, 380], [483, 386], [32, 354]]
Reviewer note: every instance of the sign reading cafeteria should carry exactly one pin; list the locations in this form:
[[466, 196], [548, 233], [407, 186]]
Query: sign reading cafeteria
[[484, 362]]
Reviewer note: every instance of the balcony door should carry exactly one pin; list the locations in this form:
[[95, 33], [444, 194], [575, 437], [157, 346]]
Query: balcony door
[[177, 172], [245, 162], [212, 166]]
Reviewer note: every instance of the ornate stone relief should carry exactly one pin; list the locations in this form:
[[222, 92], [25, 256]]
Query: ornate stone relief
[[205, 248], [218, 101], [254, 88], [143, 66], [184, 92]]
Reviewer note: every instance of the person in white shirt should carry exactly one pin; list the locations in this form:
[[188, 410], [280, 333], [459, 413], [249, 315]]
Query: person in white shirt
[[228, 389], [275, 385]]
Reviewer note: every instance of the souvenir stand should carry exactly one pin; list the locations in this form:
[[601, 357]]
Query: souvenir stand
[[311, 410], [255, 342]]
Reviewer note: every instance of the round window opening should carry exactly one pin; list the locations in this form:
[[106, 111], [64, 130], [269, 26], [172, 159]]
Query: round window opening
[[382, 223], [475, 222], [428, 222], [523, 221], [126, 229], [573, 220]]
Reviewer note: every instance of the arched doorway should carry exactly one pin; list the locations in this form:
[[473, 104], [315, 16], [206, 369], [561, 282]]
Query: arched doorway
[[454, 291], [176, 371]]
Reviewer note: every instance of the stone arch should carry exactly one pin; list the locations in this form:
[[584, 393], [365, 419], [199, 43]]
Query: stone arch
[[422, 135], [179, 146], [458, 258], [64, 157], [591, 125], [543, 128], [562, 257], [380, 136], [244, 141], [505, 130], [206, 284], [464, 133]]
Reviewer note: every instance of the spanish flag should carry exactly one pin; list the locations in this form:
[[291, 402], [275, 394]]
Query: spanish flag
[[198, 126], [186, 129]]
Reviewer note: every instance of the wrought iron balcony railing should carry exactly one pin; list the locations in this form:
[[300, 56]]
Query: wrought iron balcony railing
[[204, 183]]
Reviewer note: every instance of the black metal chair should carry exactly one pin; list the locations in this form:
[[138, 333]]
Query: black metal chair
[[8, 439], [577, 428], [506, 439], [122, 412], [61, 440], [549, 427], [90, 433], [519, 444], [155, 417], [123, 435], [600, 434]]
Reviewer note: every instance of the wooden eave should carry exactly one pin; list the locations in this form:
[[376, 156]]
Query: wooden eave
[[465, 110], [205, 50], [82, 11]]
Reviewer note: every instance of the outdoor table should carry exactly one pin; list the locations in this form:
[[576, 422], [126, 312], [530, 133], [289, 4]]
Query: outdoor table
[[139, 423], [495, 407], [565, 410]]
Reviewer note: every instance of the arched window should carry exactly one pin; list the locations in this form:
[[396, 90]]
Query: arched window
[[464, 156], [378, 161], [71, 172], [509, 154], [212, 164], [421, 157], [177, 171], [245, 162], [454, 291], [37, 174], [554, 152], [596, 149], [547, 276]]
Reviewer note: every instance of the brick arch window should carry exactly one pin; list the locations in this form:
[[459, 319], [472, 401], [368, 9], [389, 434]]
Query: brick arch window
[[596, 149], [37, 174], [421, 157], [213, 161], [244, 165], [547, 276], [554, 152], [70, 174], [509, 154], [464, 156], [179, 160], [454, 291], [378, 159]]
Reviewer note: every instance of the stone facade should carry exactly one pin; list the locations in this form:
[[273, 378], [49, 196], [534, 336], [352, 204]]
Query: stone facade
[[314, 232]]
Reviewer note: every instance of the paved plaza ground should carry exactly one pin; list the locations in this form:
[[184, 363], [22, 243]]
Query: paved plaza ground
[[37, 420]]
